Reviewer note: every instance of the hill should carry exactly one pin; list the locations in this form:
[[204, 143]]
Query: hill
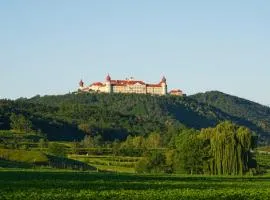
[[252, 112], [114, 116]]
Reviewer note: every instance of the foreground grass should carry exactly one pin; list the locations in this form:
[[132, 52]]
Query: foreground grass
[[83, 185]]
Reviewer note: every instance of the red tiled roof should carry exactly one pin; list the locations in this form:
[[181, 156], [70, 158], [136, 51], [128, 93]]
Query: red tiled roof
[[97, 84], [154, 85], [126, 82], [175, 91]]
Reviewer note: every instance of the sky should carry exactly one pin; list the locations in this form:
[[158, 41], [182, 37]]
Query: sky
[[46, 47]]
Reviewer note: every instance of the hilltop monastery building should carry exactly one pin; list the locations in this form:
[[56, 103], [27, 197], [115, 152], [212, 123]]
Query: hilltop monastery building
[[128, 86]]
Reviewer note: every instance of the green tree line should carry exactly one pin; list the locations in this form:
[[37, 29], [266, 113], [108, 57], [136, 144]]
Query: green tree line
[[222, 150], [72, 116]]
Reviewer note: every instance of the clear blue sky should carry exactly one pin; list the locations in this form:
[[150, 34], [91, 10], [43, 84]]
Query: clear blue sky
[[46, 47]]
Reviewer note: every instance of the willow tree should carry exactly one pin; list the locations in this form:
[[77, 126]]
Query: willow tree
[[230, 147]]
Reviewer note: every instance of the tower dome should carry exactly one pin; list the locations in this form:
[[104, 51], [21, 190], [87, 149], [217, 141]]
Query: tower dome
[[108, 78], [163, 80], [81, 83]]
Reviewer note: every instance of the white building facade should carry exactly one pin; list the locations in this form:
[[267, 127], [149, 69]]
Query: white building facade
[[126, 86]]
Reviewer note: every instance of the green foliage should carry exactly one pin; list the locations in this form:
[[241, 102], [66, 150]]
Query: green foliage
[[154, 141], [191, 152], [11, 139], [42, 143], [143, 166], [170, 156], [244, 112], [86, 128], [115, 116], [75, 147], [137, 145], [140, 125], [97, 140], [263, 161], [223, 150], [157, 161], [20, 123], [152, 162], [57, 149], [88, 142], [230, 147]]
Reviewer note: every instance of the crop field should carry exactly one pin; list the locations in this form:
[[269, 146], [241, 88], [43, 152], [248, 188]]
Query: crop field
[[84, 185]]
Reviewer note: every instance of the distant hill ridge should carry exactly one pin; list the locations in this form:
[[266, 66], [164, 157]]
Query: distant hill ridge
[[64, 117], [237, 107]]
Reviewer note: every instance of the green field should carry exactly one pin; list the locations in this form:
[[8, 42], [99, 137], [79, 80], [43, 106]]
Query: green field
[[108, 162], [84, 185]]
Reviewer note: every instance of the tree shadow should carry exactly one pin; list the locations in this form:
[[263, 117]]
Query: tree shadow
[[58, 130], [200, 117], [66, 163], [13, 164]]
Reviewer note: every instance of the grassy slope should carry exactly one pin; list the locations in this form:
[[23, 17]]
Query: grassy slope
[[73, 185], [23, 156], [10, 158]]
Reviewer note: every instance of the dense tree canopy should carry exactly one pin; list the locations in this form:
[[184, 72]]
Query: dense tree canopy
[[222, 150], [115, 116], [171, 134], [248, 113], [230, 147], [20, 123]]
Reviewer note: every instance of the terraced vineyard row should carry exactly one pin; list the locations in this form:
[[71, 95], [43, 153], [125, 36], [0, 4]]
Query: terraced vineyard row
[[109, 162]]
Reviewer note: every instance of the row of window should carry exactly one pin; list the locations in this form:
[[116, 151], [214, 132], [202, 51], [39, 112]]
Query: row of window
[[120, 89]]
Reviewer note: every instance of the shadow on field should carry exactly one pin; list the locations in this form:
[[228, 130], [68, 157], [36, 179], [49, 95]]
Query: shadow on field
[[66, 163], [103, 181], [13, 164]]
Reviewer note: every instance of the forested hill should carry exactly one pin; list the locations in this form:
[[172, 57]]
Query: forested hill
[[71, 116], [253, 112]]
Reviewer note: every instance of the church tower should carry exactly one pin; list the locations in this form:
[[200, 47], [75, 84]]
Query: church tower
[[81, 84], [108, 84], [164, 85]]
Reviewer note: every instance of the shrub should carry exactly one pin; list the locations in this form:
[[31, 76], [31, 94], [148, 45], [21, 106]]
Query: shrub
[[57, 149]]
